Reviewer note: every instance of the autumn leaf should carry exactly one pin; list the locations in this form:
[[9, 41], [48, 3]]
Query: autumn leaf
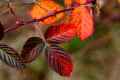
[[72, 2], [60, 33], [83, 1], [46, 7], [83, 19], [59, 60], [87, 23], [68, 3], [9, 56], [31, 50]]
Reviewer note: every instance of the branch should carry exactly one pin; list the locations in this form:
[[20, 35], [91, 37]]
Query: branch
[[19, 24]]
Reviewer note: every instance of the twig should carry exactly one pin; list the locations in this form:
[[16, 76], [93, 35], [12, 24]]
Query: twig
[[21, 23]]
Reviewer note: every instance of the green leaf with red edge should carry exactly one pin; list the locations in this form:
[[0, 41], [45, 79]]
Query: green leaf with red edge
[[60, 33], [1, 31], [32, 48], [9, 56], [59, 60]]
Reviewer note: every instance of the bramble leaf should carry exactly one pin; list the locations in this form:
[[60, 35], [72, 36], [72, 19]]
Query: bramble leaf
[[73, 2], [59, 60], [32, 48], [83, 1], [82, 17], [9, 56], [60, 33], [46, 7]]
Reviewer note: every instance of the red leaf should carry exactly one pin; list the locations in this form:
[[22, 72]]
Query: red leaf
[[32, 48], [59, 61], [82, 17], [60, 33]]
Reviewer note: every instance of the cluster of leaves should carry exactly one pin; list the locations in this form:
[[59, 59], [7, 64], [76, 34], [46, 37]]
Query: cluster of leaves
[[79, 22]]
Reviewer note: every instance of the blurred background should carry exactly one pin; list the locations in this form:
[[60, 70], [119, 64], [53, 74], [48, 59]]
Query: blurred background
[[97, 58]]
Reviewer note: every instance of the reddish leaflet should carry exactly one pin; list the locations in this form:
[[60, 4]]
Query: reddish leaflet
[[31, 49], [60, 33], [83, 19], [59, 60]]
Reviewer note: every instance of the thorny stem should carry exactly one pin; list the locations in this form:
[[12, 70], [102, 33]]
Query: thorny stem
[[21, 23]]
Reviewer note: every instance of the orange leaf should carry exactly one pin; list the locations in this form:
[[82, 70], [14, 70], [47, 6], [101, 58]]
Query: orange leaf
[[68, 2], [82, 1], [44, 8], [83, 19]]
